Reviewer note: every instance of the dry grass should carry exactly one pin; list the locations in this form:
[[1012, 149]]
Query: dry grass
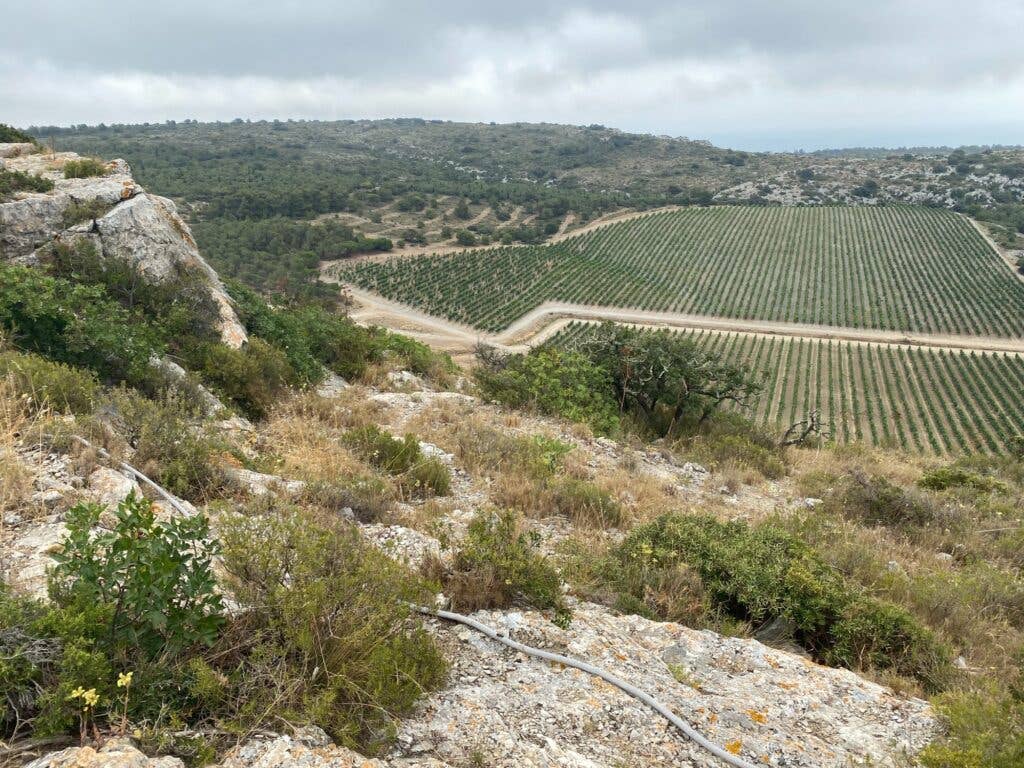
[[15, 481], [303, 435]]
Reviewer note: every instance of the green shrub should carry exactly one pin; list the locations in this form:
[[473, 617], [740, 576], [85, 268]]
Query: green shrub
[[555, 382], [85, 211], [944, 478], [252, 379], [156, 576], [729, 439], [180, 308], [875, 635], [84, 168], [11, 135], [17, 181], [497, 565], [430, 476], [383, 451], [585, 503], [168, 442], [877, 501], [985, 730], [756, 574], [139, 597], [47, 385], [327, 638], [75, 324]]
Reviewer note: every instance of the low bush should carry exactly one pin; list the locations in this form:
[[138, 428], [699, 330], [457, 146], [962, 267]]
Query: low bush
[[944, 478], [47, 385], [251, 379], [138, 598], [760, 573], [584, 502], [84, 168], [730, 440], [17, 181], [84, 211], [327, 636], [383, 451], [75, 324], [497, 565], [168, 440], [875, 500], [985, 729], [403, 458], [554, 382]]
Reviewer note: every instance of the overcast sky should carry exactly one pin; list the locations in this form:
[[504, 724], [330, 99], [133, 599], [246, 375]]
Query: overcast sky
[[749, 74]]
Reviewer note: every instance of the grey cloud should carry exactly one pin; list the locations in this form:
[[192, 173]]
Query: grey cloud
[[700, 67]]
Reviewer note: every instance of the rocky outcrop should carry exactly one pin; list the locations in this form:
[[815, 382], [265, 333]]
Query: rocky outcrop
[[770, 706], [140, 228]]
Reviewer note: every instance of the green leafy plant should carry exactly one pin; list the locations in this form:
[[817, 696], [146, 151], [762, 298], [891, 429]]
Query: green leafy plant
[[157, 577], [497, 565], [48, 385]]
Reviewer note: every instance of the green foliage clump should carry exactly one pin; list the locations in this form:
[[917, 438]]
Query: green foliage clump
[[384, 451], [497, 565], [179, 309], [47, 385], [157, 576], [944, 478], [878, 501], [728, 439], [555, 382], [168, 442], [250, 379], [139, 597], [18, 181], [328, 636], [11, 135], [985, 730], [400, 457], [760, 573], [75, 324], [84, 168]]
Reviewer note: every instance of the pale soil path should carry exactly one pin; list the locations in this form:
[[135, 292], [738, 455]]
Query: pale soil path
[[997, 248], [544, 321]]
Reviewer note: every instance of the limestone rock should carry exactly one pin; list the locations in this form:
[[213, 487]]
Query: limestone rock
[[140, 228], [108, 487], [774, 707], [302, 751], [147, 232], [116, 753]]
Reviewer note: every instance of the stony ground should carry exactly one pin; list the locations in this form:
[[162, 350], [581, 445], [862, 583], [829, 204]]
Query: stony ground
[[502, 708]]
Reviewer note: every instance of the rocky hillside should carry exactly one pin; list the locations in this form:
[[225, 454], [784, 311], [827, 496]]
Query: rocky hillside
[[111, 211], [384, 489]]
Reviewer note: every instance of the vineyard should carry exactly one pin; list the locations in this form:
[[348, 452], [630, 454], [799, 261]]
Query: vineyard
[[930, 400], [900, 268]]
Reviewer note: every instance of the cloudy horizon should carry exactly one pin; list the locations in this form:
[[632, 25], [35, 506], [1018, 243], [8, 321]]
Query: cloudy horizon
[[796, 75]]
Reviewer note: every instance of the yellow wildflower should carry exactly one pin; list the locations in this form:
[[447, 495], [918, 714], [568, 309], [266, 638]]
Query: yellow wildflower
[[77, 693], [124, 679], [91, 698]]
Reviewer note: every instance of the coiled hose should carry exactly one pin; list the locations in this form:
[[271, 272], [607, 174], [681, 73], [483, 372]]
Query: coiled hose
[[687, 730]]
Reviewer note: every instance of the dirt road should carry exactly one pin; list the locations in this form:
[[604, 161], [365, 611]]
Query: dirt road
[[543, 322]]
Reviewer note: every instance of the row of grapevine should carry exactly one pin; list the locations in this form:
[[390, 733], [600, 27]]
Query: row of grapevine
[[896, 268], [916, 398]]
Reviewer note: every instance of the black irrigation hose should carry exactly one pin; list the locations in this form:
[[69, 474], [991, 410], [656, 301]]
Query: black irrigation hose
[[687, 730]]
